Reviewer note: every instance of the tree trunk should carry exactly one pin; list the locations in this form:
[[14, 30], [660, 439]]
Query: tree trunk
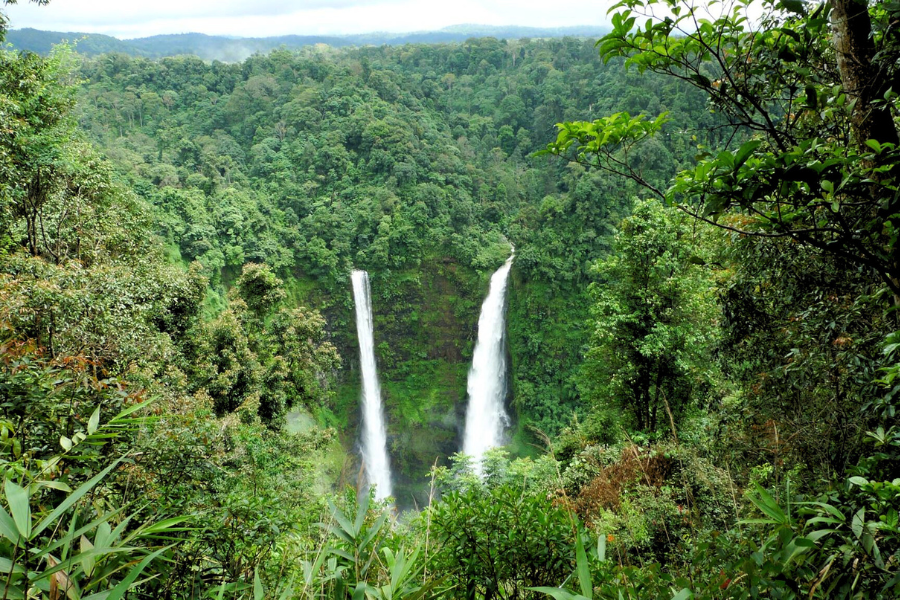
[[861, 79], [864, 83]]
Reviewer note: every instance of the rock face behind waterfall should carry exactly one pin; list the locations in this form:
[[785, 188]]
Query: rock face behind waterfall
[[374, 436], [425, 326], [486, 418]]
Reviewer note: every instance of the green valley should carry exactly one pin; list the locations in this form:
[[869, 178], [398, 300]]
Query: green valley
[[697, 349]]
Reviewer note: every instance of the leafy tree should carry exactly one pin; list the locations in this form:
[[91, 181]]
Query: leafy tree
[[810, 85], [35, 156], [259, 288], [654, 320], [802, 335], [498, 537]]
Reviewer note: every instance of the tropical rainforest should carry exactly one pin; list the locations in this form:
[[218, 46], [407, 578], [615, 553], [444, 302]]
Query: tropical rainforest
[[702, 325]]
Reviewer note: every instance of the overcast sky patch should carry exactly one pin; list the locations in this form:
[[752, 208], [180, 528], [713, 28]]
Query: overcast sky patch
[[263, 18]]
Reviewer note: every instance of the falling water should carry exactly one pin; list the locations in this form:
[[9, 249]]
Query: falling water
[[374, 439], [486, 416]]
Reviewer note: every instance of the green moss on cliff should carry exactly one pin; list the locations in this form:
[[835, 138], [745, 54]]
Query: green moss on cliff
[[547, 340]]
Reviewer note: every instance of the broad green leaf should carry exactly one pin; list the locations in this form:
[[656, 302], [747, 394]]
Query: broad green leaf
[[120, 418], [258, 593], [556, 593], [684, 594], [360, 592], [819, 534], [361, 511], [345, 527], [768, 505], [584, 573], [11, 591], [94, 421], [77, 559], [6, 565], [858, 521], [745, 151], [54, 485], [88, 561], [8, 527], [19, 506], [374, 530], [72, 535], [826, 520], [829, 508]]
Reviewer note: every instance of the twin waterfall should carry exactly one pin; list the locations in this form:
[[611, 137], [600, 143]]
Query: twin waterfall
[[486, 417], [374, 438]]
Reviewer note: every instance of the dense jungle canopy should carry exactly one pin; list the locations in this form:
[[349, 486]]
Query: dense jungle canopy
[[702, 328]]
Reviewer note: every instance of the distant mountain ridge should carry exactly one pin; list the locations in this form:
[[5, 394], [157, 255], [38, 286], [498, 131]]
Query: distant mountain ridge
[[231, 49]]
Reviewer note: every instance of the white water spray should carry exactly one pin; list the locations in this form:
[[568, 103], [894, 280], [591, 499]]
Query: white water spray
[[374, 438], [486, 416]]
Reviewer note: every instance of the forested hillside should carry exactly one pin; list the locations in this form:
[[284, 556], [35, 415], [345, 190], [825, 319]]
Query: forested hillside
[[235, 49], [413, 163], [700, 330]]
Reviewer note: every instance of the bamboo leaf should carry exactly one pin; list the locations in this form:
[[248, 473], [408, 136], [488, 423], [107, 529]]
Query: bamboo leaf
[[164, 526], [124, 585], [120, 418], [80, 531], [74, 497]]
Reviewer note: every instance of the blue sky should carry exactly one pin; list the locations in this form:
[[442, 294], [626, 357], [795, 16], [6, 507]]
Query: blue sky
[[258, 18]]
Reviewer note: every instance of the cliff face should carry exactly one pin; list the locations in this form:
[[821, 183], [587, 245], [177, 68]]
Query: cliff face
[[426, 320]]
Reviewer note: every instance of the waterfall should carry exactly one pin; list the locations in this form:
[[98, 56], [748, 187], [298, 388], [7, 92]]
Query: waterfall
[[374, 438], [486, 416]]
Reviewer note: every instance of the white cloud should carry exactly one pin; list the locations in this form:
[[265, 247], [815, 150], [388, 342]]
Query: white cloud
[[137, 18]]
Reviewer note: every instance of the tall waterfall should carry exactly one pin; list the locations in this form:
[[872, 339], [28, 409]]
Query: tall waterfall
[[486, 416], [374, 438]]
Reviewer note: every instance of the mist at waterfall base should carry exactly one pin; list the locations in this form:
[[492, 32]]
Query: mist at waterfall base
[[486, 418], [374, 439]]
